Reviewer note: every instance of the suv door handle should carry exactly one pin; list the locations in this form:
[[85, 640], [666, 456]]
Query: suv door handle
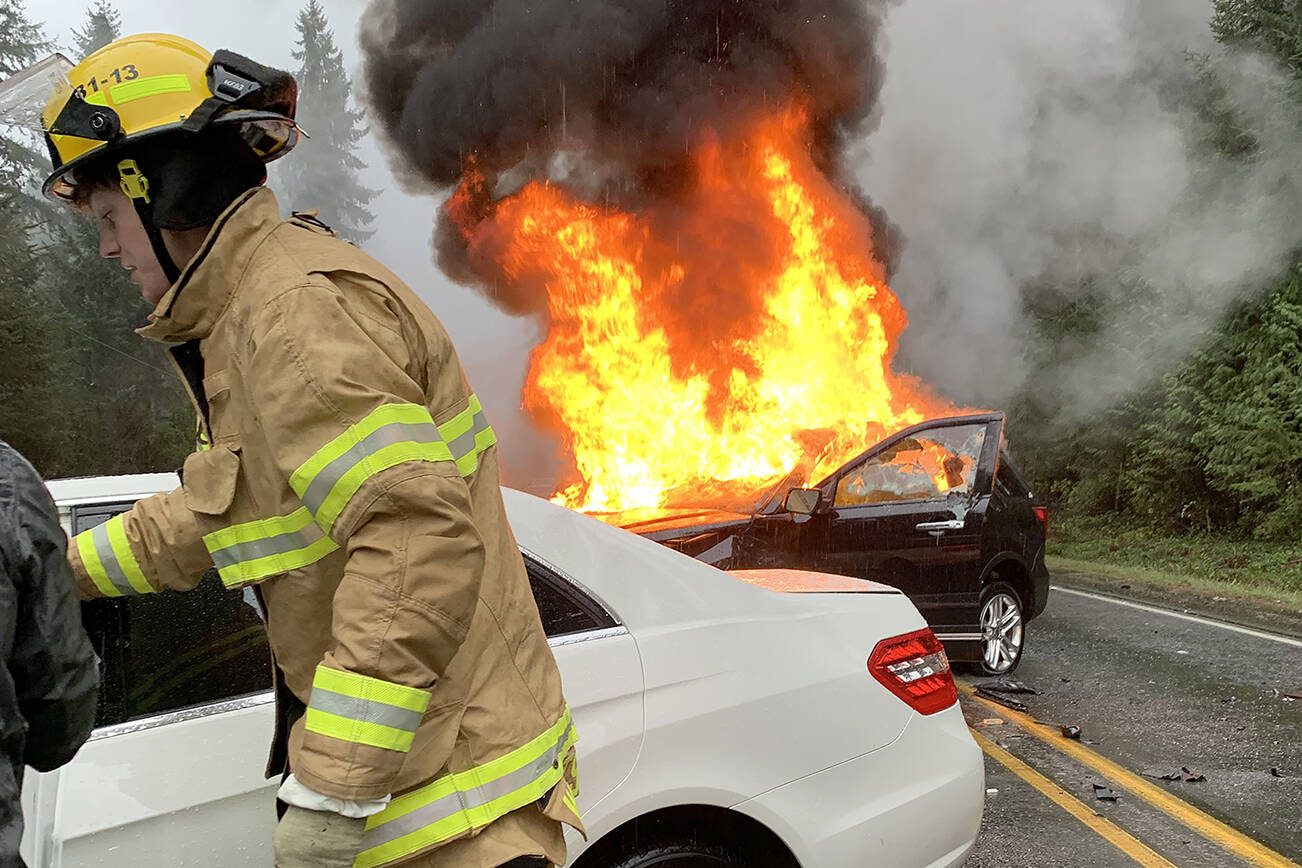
[[953, 524]]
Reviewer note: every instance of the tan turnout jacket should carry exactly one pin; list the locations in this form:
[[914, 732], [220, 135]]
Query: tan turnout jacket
[[350, 474]]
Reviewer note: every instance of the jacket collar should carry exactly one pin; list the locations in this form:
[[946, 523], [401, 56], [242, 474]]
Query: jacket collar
[[203, 291]]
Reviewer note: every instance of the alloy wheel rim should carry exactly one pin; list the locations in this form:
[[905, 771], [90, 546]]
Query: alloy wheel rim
[[1001, 632]]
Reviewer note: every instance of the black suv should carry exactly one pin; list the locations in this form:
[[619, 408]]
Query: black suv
[[937, 510]]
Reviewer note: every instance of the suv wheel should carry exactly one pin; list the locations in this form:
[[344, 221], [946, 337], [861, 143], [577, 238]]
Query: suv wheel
[[1003, 629]]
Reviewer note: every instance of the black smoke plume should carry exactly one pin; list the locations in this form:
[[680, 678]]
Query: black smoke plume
[[620, 88]]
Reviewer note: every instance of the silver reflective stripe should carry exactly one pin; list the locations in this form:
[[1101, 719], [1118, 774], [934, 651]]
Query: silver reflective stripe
[[465, 444], [109, 559], [459, 800], [387, 435], [364, 709], [282, 544]]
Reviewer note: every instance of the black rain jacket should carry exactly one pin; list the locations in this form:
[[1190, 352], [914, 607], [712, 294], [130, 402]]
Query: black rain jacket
[[49, 675]]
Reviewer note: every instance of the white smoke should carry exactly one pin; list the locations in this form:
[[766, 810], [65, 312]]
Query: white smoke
[[1025, 144]]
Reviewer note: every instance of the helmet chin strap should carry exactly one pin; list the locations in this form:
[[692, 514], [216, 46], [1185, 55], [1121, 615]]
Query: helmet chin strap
[[136, 187], [160, 249]]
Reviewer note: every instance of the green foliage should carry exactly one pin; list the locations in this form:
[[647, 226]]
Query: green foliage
[[103, 25], [22, 41], [322, 172], [80, 394], [1273, 27], [1273, 568], [1214, 448], [132, 411]]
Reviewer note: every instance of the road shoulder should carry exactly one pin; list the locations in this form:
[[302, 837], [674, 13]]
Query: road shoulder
[[1274, 614]]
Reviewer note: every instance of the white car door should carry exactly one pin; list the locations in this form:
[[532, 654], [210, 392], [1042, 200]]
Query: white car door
[[174, 776]]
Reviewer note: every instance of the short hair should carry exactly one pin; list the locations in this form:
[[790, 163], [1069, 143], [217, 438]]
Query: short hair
[[96, 175]]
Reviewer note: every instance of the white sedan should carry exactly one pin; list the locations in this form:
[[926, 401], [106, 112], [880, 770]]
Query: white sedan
[[772, 718]]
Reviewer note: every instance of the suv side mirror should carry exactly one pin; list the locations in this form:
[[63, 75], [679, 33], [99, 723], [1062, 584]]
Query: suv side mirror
[[803, 501]]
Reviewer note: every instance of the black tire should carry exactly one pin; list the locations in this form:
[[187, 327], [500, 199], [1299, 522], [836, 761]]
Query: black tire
[[1003, 630], [679, 854]]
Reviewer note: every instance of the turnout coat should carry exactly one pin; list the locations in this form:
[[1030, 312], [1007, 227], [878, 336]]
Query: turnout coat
[[347, 470]]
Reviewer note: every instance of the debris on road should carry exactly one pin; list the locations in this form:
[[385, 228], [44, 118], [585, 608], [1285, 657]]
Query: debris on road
[[1184, 774], [1006, 701], [1103, 794], [1008, 687], [991, 791], [991, 721], [1071, 731], [1276, 773]]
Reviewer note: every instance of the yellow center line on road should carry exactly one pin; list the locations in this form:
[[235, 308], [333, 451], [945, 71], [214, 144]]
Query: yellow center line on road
[[1224, 836], [1114, 834]]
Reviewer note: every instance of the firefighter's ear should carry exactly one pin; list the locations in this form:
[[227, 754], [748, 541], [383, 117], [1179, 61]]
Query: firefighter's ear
[[209, 480]]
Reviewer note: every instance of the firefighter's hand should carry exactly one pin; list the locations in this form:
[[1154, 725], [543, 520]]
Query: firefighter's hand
[[317, 839]]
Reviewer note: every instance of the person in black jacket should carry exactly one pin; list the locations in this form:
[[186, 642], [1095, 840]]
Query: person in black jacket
[[49, 675]]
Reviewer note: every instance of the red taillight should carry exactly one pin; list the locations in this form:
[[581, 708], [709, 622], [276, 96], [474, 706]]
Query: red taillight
[[1042, 515], [914, 667]]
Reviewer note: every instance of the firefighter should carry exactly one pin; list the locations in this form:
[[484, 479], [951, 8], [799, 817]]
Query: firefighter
[[345, 470]]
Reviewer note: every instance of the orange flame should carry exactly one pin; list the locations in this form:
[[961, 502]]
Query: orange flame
[[715, 342]]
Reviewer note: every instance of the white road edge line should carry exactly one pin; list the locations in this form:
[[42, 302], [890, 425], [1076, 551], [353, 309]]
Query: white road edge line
[[1247, 631]]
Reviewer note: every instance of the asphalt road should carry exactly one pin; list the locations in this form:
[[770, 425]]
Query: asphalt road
[[1152, 693]]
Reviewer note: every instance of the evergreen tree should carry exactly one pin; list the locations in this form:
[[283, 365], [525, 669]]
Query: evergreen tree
[[131, 413], [80, 394], [103, 25], [29, 371], [22, 41], [322, 172], [1273, 27]]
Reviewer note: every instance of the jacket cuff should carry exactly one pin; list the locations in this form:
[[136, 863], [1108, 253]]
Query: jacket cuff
[[352, 776], [356, 733], [86, 589]]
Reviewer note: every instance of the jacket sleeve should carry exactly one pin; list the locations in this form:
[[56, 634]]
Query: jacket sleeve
[[353, 434], [55, 671], [156, 544]]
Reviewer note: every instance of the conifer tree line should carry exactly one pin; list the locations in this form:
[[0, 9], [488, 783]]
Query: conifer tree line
[[1215, 446], [80, 393]]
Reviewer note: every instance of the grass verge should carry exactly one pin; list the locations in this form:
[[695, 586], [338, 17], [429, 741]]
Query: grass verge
[[1253, 583], [1259, 569]]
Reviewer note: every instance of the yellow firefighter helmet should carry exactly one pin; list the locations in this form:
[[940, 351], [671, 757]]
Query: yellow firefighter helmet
[[149, 85]]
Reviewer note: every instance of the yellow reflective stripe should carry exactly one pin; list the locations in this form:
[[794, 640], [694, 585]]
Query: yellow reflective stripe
[[152, 85], [117, 534], [463, 421], [354, 479], [247, 572], [463, 801], [364, 710], [94, 569], [468, 435], [371, 689], [410, 414], [254, 550], [389, 435], [469, 463], [358, 731], [97, 98], [255, 530]]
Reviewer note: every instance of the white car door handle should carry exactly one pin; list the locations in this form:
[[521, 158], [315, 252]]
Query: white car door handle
[[954, 524]]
